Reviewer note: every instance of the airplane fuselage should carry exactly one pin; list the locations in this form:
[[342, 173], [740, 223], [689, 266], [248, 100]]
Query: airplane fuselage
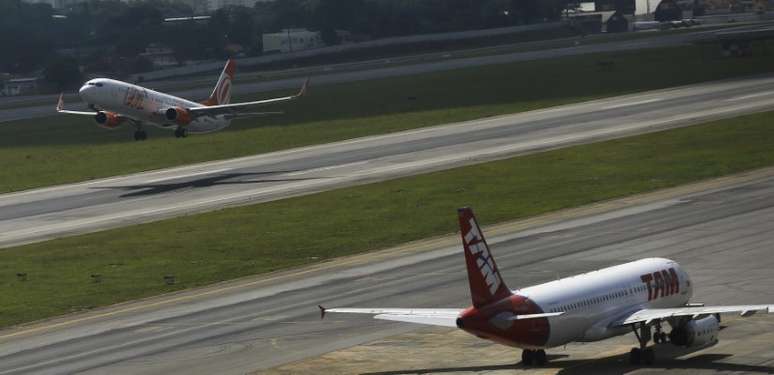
[[144, 105], [591, 302]]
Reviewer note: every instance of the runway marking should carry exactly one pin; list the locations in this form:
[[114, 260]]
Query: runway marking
[[750, 96], [355, 176], [321, 169], [106, 348], [646, 101], [175, 177]]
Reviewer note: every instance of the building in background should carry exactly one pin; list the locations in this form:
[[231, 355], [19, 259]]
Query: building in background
[[197, 5], [20, 86], [160, 56], [213, 5], [56, 4], [290, 40]]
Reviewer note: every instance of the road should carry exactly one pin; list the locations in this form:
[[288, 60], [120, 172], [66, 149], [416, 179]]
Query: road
[[378, 70], [65, 210], [721, 231]]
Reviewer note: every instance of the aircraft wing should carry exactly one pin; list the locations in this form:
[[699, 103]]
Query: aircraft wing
[[434, 317], [232, 116], [60, 108], [235, 107], [648, 315]]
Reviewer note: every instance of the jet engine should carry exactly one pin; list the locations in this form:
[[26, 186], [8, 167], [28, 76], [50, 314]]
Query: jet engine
[[696, 332], [178, 115], [108, 120]]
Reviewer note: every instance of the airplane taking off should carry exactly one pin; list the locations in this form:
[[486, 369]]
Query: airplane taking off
[[116, 102], [638, 296]]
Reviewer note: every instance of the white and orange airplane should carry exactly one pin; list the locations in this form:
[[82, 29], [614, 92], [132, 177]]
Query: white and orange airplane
[[116, 103], [638, 296]]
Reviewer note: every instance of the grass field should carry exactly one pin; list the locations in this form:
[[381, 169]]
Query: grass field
[[64, 149], [235, 242]]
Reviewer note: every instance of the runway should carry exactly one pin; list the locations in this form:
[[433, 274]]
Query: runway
[[721, 232], [79, 208]]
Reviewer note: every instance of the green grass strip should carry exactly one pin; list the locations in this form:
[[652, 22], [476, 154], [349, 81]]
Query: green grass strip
[[206, 248], [63, 149]]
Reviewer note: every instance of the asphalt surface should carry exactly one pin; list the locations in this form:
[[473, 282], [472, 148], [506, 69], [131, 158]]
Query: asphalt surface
[[65, 210], [377, 71], [721, 232]]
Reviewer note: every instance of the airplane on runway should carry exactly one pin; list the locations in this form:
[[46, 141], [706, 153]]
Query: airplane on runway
[[639, 296], [116, 103]]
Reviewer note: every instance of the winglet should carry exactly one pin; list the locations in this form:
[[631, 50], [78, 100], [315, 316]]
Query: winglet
[[60, 103], [322, 312], [304, 88]]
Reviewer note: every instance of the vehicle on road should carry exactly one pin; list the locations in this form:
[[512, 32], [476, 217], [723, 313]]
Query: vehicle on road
[[641, 296], [115, 103]]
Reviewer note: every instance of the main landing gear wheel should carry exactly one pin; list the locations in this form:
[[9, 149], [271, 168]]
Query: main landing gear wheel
[[643, 354], [140, 135], [181, 132], [533, 357]]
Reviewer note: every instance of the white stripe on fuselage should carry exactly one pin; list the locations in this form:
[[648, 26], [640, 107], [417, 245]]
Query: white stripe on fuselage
[[592, 301], [144, 104]]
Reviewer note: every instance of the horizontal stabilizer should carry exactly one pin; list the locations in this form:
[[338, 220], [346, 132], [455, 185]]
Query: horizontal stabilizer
[[437, 320], [435, 317]]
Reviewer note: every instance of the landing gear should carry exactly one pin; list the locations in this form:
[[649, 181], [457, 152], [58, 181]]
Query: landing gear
[[660, 337], [181, 132], [140, 135], [533, 357], [643, 354]]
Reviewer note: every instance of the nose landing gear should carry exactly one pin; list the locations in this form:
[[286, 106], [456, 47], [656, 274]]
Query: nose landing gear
[[181, 132]]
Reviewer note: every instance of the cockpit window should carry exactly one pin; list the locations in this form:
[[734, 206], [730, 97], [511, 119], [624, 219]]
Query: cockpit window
[[90, 83], [98, 84]]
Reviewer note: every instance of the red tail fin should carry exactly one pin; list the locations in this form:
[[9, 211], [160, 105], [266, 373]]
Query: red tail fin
[[222, 92], [486, 284]]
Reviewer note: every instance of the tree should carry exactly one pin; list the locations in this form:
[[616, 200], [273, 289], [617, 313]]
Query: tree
[[63, 72], [24, 35]]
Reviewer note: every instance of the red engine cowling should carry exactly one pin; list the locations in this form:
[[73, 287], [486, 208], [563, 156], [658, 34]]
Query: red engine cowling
[[179, 116], [108, 120]]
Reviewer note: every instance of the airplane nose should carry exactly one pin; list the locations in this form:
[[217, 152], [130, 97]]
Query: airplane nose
[[82, 91]]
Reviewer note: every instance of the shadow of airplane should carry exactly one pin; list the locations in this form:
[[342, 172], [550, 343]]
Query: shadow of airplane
[[619, 364], [209, 181]]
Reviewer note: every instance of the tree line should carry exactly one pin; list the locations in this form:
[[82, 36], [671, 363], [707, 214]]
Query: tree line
[[109, 35]]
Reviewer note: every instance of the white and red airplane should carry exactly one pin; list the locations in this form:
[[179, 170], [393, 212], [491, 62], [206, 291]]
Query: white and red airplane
[[637, 296], [116, 103]]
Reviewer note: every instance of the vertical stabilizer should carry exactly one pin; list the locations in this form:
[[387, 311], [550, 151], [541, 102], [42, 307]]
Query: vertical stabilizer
[[486, 284], [222, 92]]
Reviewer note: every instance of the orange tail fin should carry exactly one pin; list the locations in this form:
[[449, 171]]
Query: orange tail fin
[[486, 284], [222, 92]]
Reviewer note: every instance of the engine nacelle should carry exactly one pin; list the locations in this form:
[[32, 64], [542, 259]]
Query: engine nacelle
[[108, 120], [178, 115], [696, 332]]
